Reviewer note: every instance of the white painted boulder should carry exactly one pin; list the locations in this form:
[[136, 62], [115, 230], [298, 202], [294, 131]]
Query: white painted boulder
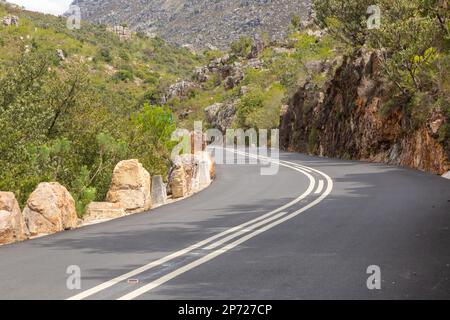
[[130, 186], [206, 156], [159, 191], [446, 175], [49, 209], [204, 178]]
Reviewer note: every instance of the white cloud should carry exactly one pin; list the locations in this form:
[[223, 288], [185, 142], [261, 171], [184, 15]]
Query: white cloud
[[55, 7]]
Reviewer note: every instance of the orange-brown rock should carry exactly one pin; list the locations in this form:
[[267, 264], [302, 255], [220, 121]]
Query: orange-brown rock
[[130, 186], [348, 118], [12, 224], [49, 209]]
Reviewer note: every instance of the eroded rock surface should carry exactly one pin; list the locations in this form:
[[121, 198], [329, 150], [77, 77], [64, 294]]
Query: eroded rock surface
[[345, 119], [12, 223], [49, 209], [130, 186]]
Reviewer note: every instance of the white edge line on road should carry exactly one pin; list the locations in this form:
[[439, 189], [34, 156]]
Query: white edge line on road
[[246, 230], [153, 264], [134, 294], [320, 187]]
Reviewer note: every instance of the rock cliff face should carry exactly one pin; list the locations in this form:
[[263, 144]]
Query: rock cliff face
[[345, 119], [200, 23]]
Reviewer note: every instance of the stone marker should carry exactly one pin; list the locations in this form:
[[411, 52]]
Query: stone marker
[[446, 175], [204, 178], [206, 156], [159, 191]]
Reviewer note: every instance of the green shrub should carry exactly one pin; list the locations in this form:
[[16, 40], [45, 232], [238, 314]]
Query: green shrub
[[242, 47], [123, 75]]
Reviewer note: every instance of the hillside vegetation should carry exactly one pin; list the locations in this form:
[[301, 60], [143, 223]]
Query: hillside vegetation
[[74, 103], [389, 100]]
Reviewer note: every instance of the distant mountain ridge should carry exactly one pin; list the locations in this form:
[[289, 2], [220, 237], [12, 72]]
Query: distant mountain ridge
[[197, 22]]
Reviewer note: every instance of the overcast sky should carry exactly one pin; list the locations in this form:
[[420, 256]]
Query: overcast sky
[[55, 7]]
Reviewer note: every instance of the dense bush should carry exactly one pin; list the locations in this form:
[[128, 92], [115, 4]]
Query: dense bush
[[72, 121], [242, 47], [414, 36], [55, 128]]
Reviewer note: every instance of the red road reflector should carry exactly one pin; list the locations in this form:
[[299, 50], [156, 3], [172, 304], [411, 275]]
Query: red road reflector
[[133, 281]]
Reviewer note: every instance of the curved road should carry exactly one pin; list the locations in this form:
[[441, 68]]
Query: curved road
[[308, 232]]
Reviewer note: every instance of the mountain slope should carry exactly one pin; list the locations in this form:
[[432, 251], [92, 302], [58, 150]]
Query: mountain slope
[[197, 22]]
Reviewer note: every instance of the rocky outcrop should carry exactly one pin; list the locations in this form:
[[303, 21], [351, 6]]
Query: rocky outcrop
[[130, 186], [10, 21], [124, 33], [181, 89], [234, 79], [12, 223], [60, 54], [202, 74], [199, 23], [221, 116], [345, 119], [97, 211], [49, 209]]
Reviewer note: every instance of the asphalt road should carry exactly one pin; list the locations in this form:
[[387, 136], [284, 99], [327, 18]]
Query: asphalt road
[[308, 232]]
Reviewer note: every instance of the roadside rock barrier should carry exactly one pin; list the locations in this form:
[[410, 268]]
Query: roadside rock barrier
[[12, 224], [204, 178], [206, 156], [130, 186], [190, 166], [177, 181], [49, 209], [103, 211], [159, 191]]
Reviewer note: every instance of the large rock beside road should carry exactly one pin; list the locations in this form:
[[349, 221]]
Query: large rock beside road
[[49, 209], [191, 173], [178, 181], [12, 224], [130, 186], [190, 167], [97, 211]]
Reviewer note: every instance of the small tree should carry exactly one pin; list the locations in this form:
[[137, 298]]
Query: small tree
[[242, 47], [345, 19]]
